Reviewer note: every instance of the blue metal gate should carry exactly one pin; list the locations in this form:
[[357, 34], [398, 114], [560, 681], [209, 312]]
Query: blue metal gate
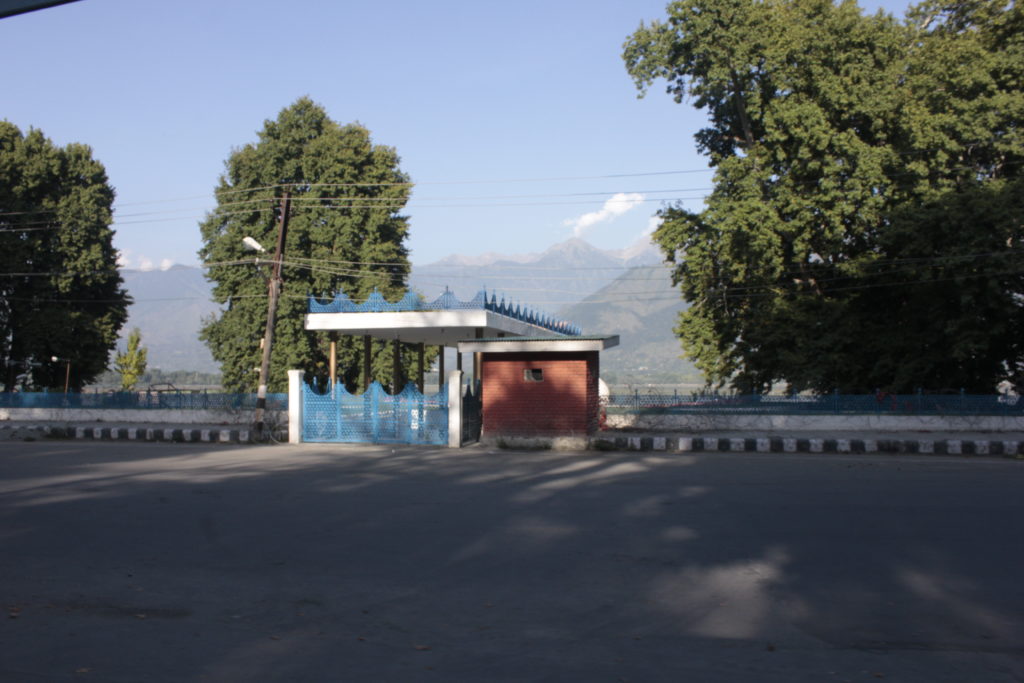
[[375, 416]]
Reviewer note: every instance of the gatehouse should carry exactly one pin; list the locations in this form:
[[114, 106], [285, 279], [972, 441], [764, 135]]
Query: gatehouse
[[454, 413]]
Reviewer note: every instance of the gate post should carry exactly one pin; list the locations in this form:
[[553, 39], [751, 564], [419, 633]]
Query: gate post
[[295, 406], [455, 409]]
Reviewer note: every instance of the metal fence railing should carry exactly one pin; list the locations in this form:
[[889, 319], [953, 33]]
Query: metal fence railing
[[145, 400], [881, 403]]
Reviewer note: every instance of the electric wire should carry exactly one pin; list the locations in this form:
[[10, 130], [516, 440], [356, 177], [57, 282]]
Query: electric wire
[[902, 265], [619, 298], [289, 186], [286, 186], [217, 213]]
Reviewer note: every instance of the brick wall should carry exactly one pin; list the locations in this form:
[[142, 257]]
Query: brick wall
[[563, 402]]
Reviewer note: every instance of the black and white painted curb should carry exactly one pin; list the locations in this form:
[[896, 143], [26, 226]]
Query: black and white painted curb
[[668, 444], [921, 446], [168, 434]]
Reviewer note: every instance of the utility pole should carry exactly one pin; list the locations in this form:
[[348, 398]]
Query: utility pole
[[268, 335]]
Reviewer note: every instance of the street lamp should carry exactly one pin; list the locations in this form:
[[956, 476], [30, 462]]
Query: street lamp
[[250, 243], [67, 372]]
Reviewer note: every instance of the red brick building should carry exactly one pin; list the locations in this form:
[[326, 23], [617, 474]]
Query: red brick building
[[539, 386]]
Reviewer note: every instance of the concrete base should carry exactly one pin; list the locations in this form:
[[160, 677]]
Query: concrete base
[[177, 434], [986, 446], [698, 423], [537, 443]]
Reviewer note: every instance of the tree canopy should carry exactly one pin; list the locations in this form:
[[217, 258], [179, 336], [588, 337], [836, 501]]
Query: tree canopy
[[61, 296], [345, 233], [864, 230]]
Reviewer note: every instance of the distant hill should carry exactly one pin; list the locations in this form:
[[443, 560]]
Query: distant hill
[[168, 309], [642, 307], [563, 274]]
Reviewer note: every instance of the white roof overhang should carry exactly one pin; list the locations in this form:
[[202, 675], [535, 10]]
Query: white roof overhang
[[445, 327], [557, 345]]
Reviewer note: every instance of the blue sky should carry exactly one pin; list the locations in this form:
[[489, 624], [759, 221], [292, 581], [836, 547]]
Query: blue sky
[[510, 117]]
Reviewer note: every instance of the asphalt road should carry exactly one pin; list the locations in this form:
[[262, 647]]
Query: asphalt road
[[163, 562]]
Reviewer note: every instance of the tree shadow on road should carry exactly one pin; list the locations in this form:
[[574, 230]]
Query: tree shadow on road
[[381, 563]]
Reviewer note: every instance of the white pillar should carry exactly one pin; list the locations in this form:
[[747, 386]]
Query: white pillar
[[455, 409], [295, 406]]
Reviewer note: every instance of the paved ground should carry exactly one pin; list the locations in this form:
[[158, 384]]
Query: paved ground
[[188, 562]]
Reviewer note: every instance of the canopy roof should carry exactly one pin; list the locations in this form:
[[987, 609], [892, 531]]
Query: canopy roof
[[444, 321]]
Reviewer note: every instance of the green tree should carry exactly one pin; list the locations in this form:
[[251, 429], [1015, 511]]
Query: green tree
[[60, 291], [345, 233], [865, 228], [131, 364]]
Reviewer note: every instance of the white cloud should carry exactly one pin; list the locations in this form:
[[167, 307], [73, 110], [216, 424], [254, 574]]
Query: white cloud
[[124, 258], [653, 223], [614, 207], [145, 263], [166, 264]]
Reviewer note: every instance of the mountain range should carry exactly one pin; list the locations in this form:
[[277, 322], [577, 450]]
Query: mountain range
[[642, 307], [626, 292], [169, 307], [562, 275]]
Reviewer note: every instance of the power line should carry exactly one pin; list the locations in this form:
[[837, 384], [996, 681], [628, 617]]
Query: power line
[[730, 292], [753, 292], [923, 260], [215, 214], [446, 271], [48, 227], [118, 223], [63, 273], [298, 185], [623, 297], [220, 192], [401, 202], [779, 290]]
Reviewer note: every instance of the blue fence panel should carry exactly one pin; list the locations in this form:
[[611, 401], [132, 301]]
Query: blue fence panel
[[121, 400], [375, 416], [824, 404]]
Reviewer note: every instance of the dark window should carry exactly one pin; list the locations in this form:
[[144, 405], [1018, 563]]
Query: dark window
[[533, 375]]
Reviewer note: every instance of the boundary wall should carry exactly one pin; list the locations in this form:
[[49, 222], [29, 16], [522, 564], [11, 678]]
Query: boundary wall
[[144, 416], [704, 422]]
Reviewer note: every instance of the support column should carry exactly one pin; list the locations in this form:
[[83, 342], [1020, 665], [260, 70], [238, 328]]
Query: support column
[[477, 361], [295, 406], [333, 360], [419, 366], [455, 409], [396, 367], [367, 361], [440, 367]]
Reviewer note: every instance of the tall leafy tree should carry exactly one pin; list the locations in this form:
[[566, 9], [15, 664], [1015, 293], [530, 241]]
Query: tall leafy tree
[[864, 231], [345, 233], [131, 363], [61, 295]]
